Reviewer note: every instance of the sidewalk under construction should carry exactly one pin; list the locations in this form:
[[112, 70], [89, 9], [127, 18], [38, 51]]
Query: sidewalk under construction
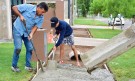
[[69, 71]]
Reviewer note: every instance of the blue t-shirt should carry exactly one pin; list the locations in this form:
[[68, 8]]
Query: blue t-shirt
[[64, 29], [29, 12]]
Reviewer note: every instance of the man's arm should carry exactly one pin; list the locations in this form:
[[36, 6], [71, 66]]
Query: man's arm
[[61, 37], [15, 9]]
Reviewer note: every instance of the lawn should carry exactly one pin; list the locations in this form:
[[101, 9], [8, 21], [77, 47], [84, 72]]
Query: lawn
[[123, 67], [85, 21], [104, 33], [6, 52]]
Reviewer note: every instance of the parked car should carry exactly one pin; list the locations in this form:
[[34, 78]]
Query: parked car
[[119, 20]]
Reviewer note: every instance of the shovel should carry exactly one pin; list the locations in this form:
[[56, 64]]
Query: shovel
[[40, 64]]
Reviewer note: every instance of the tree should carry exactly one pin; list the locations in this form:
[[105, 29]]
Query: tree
[[96, 6], [107, 7], [84, 6]]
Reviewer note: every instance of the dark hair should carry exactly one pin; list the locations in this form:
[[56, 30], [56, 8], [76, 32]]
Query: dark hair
[[43, 5]]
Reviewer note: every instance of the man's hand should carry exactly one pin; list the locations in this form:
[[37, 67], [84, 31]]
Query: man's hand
[[34, 29], [30, 36], [55, 37]]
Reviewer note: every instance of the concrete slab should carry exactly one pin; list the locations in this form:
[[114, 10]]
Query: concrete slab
[[110, 49]]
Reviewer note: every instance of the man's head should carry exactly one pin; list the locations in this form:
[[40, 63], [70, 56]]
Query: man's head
[[41, 8], [54, 22]]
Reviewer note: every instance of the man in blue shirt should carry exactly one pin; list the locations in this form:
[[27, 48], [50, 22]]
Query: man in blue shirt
[[33, 15], [65, 33]]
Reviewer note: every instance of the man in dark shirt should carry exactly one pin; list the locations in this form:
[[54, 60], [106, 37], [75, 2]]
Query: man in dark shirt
[[65, 33]]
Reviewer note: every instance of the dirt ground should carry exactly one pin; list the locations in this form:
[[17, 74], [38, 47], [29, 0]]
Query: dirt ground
[[79, 32], [82, 49]]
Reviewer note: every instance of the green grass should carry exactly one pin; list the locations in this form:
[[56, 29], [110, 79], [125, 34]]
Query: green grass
[[85, 21], [104, 33], [50, 45], [6, 53], [123, 67]]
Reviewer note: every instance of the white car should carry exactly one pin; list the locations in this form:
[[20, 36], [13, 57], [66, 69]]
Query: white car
[[118, 21]]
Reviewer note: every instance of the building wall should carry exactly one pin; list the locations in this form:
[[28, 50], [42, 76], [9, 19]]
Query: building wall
[[5, 22], [47, 16], [66, 9], [58, 11]]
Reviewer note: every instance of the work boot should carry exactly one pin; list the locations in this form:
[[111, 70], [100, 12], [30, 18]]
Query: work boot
[[15, 69]]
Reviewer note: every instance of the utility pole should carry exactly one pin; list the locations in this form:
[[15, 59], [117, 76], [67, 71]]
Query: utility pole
[[75, 9], [71, 11]]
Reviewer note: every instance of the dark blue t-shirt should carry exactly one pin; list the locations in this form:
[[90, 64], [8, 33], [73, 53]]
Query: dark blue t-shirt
[[64, 29]]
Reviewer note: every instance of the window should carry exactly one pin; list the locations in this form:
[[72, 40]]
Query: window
[[16, 2]]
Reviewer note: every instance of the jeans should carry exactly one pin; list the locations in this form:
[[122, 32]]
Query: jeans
[[17, 48]]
